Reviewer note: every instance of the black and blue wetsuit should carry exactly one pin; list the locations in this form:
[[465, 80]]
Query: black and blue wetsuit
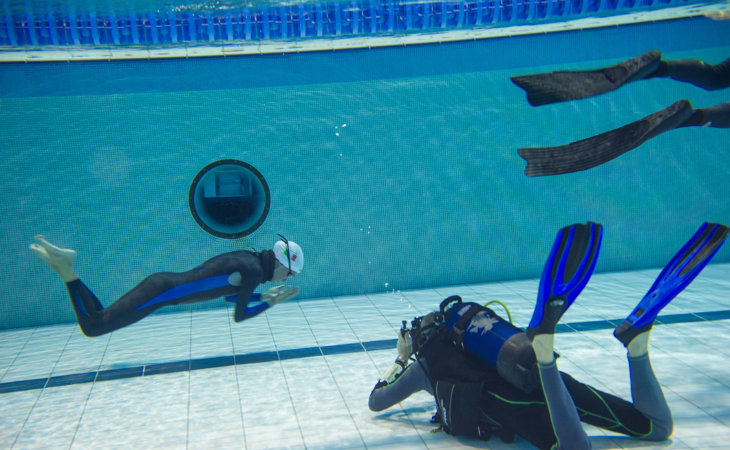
[[234, 275], [505, 411]]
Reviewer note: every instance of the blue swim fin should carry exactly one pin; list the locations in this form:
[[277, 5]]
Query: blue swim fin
[[567, 270], [677, 275]]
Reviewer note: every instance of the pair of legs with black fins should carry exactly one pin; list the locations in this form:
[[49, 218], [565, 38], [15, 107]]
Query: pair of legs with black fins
[[554, 87], [566, 273]]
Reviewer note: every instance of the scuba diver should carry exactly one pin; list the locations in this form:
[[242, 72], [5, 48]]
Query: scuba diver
[[489, 377], [560, 86], [233, 275]]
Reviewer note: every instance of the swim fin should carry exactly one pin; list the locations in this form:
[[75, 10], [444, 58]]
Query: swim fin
[[567, 270], [597, 150], [560, 86], [677, 275]]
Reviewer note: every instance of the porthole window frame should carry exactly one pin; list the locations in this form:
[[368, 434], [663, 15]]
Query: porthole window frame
[[194, 187]]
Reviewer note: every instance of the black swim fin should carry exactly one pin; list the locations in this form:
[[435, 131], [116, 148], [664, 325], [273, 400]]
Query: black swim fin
[[597, 150], [561, 86]]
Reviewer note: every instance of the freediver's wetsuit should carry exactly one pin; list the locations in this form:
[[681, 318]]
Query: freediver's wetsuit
[[506, 411], [710, 77], [229, 274], [707, 76]]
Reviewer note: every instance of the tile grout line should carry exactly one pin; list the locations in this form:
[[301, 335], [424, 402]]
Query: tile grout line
[[286, 382], [235, 373], [190, 358], [19, 352], [337, 385], [91, 390], [353, 331], [40, 393]]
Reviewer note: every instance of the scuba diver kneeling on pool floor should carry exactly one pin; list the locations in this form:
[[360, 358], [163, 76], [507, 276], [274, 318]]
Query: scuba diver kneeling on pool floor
[[233, 275], [491, 378]]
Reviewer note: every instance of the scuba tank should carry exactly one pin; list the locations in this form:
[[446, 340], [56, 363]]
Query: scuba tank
[[480, 331]]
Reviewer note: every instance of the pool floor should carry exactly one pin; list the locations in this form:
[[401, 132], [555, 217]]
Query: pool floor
[[299, 375]]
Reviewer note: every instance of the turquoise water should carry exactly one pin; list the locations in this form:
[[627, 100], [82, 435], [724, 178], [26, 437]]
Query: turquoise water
[[393, 168]]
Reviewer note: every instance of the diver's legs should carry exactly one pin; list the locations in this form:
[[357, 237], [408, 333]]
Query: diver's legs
[[710, 77], [607, 411], [646, 393], [87, 307], [154, 292], [561, 408], [95, 320], [716, 116], [565, 396]]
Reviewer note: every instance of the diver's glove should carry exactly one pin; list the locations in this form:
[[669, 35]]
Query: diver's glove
[[404, 347], [396, 369], [279, 294]]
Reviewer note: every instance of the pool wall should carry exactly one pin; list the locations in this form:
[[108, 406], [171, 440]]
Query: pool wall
[[394, 168]]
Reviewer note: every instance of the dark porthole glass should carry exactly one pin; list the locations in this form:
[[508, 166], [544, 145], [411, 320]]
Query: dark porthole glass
[[229, 198]]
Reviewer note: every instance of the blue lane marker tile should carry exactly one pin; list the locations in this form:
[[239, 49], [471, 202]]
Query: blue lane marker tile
[[256, 358], [171, 367], [592, 325], [678, 318], [384, 344], [299, 353], [74, 378], [23, 385], [208, 363], [714, 315], [117, 374], [342, 348]]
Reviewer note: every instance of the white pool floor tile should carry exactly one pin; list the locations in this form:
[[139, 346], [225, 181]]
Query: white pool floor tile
[[302, 379]]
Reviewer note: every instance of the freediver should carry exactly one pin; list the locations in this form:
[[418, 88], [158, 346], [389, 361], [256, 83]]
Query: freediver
[[234, 275]]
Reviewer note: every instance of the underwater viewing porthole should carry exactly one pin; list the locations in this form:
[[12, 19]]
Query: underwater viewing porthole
[[229, 198]]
